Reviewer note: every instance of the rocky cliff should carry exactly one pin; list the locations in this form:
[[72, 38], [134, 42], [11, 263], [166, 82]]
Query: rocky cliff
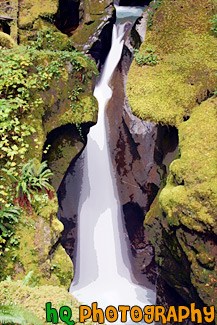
[[178, 90]]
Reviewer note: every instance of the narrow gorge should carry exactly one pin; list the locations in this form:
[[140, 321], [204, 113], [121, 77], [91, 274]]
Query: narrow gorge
[[122, 213]]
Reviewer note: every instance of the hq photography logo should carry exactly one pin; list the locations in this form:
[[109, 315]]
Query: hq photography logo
[[148, 314]]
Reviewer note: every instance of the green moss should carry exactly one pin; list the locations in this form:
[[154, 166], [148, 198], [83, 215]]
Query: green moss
[[38, 236], [182, 221], [193, 203], [55, 75], [189, 203], [34, 299], [61, 272], [61, 152], [30, 10], [186, 71]]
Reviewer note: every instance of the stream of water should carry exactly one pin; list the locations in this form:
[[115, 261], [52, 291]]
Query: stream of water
[[102, 269]]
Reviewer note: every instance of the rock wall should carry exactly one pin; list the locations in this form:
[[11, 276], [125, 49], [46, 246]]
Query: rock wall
[[140, 154], [64, 82], [176, 91]]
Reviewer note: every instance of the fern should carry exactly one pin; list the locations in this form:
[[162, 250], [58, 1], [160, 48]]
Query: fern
[[27, 278], [34, 178], [17, 315]]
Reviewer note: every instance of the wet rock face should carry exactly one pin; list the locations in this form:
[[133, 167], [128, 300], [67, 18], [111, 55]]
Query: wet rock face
[[102, 44], [89, 25], [140, 153]]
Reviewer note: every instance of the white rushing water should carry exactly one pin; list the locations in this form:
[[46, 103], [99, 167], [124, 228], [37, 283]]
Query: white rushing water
[[102, 270]]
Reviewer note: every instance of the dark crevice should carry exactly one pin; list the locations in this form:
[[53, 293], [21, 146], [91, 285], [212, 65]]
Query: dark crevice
[[101, 47], [53, 249], [209, 94], [67, 18], [89, 22]]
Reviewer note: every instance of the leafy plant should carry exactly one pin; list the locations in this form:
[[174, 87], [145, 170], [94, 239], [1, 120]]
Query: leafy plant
[[147, 57], [214, 25], [34, 178], [8, 217], [13, 314], [154, 5], [28, 278]]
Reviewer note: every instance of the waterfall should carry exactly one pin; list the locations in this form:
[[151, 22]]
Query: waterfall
[[102, 269]]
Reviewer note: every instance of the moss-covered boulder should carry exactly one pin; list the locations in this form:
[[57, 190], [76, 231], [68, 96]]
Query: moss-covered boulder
[[35, 247], [34, 299], [64, 144], [176, 91], [6, 41], [187, 62], [33, 16]]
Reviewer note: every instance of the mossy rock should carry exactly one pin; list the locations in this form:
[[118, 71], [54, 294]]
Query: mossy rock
[[29, 11], [38, 234], [6, 41], [95, 16], [34, 299], [190, 197], [56, 76], [182, 221], [65, 144], [187, 62]]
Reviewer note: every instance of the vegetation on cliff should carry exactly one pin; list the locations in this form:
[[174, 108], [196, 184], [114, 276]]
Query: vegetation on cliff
[[44, 85], [176, 91], [40, 90], [187, 62]]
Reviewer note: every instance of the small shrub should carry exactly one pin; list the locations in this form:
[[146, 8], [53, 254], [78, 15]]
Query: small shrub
[[33, 179], [154, 5], [148, 57], [214, 25]]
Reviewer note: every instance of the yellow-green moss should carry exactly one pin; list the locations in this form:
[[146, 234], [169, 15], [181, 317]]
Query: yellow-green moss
[[6, 41], [38, 234], [62, 151], [190, 196], [34, 299], [182, 221], [55, 75], [30, 10], [187, 65], [189, 203]]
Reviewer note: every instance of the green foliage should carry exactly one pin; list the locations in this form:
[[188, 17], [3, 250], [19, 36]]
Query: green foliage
[[148, 57], [33, 179], [49, 39], [28, 278], [8, 218], [24, 70], [12, 314], [214, 25], [26, 76], [154, 5]]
